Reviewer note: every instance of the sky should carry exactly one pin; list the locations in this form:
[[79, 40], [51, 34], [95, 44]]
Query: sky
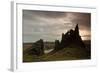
[[49, 25]]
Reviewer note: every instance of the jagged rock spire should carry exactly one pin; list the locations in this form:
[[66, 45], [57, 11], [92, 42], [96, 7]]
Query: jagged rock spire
[[70, 38], [77, 29]]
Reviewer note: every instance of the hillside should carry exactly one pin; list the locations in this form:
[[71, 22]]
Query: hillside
[[71, 47]]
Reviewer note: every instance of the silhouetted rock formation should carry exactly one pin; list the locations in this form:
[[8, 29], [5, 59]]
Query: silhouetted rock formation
[[57, 43], [70, 38], [37, 48]]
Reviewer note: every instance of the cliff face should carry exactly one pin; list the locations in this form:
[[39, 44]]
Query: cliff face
[[70, 38]]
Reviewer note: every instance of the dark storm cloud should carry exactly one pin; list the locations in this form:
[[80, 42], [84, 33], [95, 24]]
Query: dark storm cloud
[[47, 14], [83, 19], [49, 25]]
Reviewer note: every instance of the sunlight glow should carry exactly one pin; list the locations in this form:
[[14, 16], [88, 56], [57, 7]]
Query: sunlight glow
[[85, 35]]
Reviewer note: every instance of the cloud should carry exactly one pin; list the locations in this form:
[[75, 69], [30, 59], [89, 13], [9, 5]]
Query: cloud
[[49, 25]]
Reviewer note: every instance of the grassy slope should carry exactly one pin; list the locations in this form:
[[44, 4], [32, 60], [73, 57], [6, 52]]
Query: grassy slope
[[64, 54]]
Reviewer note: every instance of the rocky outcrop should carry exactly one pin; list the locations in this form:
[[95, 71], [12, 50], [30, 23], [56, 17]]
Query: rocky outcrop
[[57, 43], [70, 38], [37, 48]]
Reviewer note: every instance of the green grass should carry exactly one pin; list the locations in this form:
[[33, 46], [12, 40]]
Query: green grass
[[64, 54]]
